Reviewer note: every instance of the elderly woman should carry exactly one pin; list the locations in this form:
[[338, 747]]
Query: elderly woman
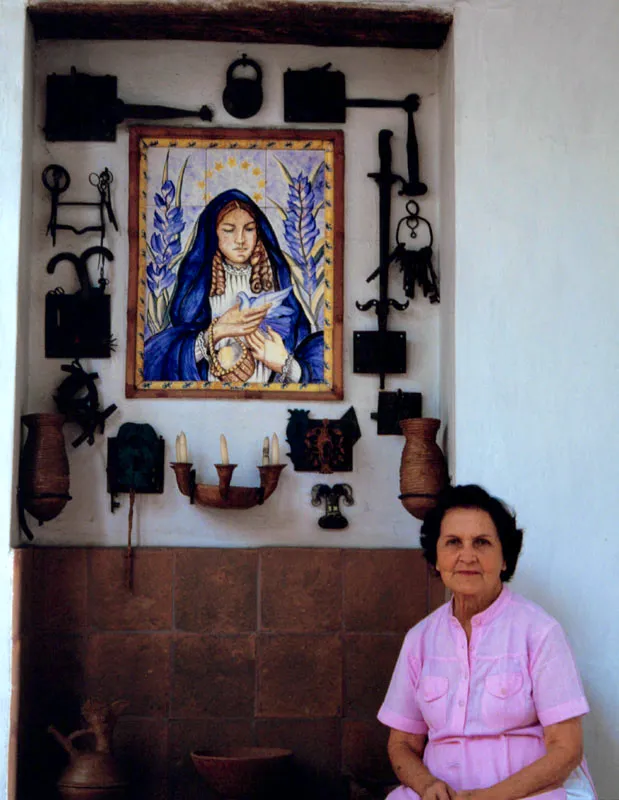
[[485, 702]]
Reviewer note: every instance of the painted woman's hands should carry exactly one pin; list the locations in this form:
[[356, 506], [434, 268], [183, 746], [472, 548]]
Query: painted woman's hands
[[270, 349], [235, 322]]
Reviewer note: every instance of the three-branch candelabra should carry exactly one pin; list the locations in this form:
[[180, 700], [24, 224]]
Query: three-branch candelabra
[[224, 495]]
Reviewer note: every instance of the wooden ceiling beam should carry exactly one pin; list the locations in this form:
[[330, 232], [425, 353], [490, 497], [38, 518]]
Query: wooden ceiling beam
[[364, 24]]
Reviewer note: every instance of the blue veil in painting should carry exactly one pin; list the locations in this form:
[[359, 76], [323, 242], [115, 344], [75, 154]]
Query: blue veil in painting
[[170, 354]]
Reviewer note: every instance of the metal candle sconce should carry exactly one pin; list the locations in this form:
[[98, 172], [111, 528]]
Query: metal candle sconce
[[86, 108]]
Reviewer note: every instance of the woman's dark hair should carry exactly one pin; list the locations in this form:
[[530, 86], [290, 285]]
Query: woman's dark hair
[[473, 496]]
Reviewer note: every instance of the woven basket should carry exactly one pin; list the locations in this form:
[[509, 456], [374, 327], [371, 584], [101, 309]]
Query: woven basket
[[423, 472]]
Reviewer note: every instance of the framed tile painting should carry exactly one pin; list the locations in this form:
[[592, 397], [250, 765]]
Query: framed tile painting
[[236, 240]]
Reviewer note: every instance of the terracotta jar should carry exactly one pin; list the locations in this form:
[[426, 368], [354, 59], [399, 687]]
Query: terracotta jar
[[44, 467], [423, 471]]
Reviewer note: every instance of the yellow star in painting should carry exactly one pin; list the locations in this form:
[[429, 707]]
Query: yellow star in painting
[[262, 183], [257, 196], [257, 171], [219, 166], [245, 165], [232, 161], [201, 184], [209, 173]]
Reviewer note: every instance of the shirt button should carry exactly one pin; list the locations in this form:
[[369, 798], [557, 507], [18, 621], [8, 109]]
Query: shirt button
[[461, 703]]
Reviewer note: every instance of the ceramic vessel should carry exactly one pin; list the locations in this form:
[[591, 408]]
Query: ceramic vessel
[[242, 772], [423, 471], [92, 772], [44, 467]]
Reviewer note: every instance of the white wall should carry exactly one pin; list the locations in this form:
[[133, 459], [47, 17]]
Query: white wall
[[537, 322], [190, 74], [15, 216]]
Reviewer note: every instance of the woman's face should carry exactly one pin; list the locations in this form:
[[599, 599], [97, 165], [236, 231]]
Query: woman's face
[[469, 555], [237, 235]]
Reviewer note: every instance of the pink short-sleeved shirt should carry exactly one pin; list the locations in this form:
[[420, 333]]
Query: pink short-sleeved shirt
[[483, 705]]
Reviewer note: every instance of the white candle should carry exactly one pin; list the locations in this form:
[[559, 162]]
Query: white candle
[[223, 446], [182, 448], [178, 450], [265, 452], [275, 449]]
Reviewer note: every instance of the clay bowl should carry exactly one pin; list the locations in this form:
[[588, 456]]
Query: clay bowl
[[242, 772]]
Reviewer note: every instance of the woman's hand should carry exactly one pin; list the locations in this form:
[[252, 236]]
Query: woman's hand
[[270, 350], [235, 322], [439, 790]]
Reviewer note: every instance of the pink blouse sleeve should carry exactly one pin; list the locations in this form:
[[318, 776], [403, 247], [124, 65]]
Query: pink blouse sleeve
[[399, 709], [557, 690]]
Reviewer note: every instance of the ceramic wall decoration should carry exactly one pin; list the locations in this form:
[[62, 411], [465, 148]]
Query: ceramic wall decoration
[[235, 263]]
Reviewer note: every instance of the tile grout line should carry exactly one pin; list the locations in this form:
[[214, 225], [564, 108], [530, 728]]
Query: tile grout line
[[171, 661], [258, 648]]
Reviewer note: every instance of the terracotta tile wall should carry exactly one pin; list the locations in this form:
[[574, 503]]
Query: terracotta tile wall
[[287, 647]]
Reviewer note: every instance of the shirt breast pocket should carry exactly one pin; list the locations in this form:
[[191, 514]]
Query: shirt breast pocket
[[503, 701], [432, 697]]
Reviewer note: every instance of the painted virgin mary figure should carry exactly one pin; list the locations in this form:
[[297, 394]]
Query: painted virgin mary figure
[[234, 315]]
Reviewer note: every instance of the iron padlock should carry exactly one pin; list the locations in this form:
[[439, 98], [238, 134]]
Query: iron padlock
[[242, 97], [78, 325]]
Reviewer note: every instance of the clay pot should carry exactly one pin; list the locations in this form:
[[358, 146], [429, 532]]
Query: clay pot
[[243, 772], [44, 467], [423, 471]]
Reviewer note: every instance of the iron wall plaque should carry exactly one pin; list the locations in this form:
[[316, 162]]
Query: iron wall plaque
[[324, 445]]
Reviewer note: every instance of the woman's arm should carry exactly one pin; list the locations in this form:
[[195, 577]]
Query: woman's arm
[[405, 753], [563, 754]]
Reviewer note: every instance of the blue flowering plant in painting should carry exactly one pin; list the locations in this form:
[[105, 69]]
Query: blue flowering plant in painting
[[164, 250], [304, 245]]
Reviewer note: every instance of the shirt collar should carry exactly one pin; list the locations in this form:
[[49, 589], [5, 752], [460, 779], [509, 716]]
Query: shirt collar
[[488, 614]]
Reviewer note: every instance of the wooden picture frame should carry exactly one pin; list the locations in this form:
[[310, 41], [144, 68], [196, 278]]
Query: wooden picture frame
[[227, 226]]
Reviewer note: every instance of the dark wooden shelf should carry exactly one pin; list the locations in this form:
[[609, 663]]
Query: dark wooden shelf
[[380, 23]]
